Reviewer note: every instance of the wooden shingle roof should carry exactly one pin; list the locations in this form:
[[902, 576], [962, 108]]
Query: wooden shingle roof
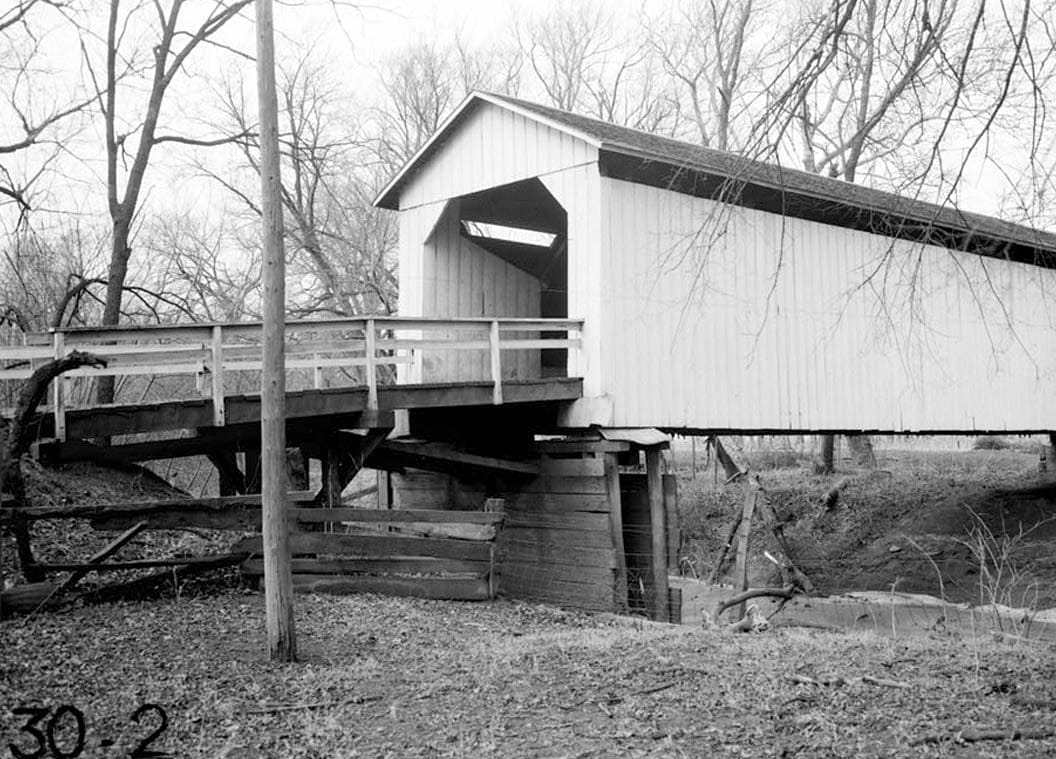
[[637, 156]]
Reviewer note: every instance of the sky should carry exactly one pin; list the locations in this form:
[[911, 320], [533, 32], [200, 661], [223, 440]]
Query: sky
[[356, 39]]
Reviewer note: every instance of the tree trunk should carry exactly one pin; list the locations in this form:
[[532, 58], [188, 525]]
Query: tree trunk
[[828, 455], [115, 288], [861, 448], [19, 435]]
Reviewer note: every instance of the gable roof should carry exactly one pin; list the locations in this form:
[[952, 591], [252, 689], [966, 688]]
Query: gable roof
[[645, 158]]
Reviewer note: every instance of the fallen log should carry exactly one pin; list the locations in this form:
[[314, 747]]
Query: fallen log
[[978, 734], [838, 680], [786, 592], [20, 433], [26, 598], [31, 597], [752, 621], [113, 547], [140, 588], [125, 566]]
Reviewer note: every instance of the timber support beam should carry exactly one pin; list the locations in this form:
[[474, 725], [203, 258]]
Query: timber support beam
[[344, 454]]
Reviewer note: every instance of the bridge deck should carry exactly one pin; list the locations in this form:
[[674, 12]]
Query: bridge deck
[[337, 369], [331, 404]]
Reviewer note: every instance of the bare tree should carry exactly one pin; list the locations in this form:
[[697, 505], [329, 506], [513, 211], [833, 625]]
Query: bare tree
[[879, 87], [36, 114], [342, 247], [708, 50], [865, 104], [41, 276], [212, 269], [582, 60], [138, 125], [422, 83]]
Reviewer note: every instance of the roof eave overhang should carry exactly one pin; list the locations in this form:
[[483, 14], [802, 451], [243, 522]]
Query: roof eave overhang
[[759, 189]]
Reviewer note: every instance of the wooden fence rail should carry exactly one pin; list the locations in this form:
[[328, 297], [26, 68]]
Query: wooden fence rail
[[426, 554], [210, 352], [423, 553]]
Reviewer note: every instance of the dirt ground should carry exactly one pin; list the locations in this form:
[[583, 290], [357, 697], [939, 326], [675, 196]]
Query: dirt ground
[[382, 677], [949, 524]]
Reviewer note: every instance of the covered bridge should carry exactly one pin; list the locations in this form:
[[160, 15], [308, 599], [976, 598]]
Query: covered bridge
[[719, 293]]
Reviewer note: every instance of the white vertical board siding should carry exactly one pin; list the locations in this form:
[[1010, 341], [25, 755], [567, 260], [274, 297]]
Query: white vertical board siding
[[493, 147], [416, 226], [717, 317], [461, 279], [578, 190]]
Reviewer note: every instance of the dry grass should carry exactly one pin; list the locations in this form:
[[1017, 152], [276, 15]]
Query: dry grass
[[862, 544]]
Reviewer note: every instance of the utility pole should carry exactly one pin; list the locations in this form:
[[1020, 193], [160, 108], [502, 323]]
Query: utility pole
[[278, 581]]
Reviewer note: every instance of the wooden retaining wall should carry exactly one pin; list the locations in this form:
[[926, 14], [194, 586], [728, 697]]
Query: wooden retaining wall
[[562, 539], [577, 535]]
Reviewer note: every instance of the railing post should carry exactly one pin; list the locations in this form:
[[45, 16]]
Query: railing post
[[496, 363], [218, 376], [58, 402], [370, 334]]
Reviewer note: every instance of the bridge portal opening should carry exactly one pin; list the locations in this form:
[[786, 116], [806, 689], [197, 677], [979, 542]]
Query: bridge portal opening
[[524, 226], [498, 253]]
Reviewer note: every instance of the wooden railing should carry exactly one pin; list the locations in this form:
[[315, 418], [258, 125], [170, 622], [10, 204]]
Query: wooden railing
[[211, 352]]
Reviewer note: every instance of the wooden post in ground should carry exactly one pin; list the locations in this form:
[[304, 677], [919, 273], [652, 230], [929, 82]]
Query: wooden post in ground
[[655, 484], [1048, 459], [384, 489], [332, 485], [496, 362], [59, 389], [252, 468], [612, 489], [751, 492], [278, 580]]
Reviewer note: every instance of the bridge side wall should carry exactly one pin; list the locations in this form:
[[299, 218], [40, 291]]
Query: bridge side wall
[[732, 318], [461, 279]]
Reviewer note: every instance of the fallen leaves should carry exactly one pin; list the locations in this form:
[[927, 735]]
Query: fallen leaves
[[404, 677]]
